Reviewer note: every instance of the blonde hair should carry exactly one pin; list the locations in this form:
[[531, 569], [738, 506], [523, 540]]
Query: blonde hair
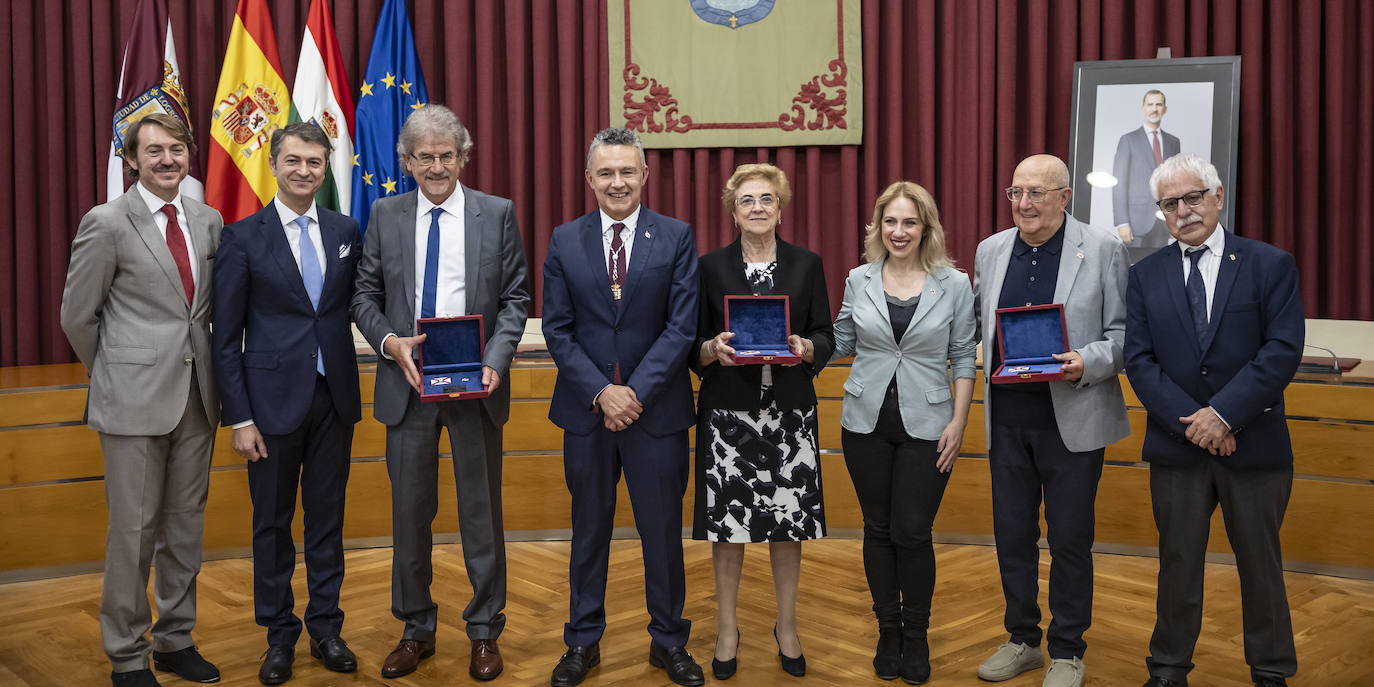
[[757, 170], [931, 251]]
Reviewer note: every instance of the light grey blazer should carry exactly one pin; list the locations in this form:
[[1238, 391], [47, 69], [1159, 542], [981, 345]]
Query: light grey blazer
[[1092, 286], [939, 338], [125, 313]]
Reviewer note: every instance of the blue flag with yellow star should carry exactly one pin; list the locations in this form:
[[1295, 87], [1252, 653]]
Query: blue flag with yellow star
[[393, 87]]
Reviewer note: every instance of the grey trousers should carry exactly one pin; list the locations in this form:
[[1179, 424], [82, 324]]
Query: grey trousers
[[1252, 505], [155, 490], [412, 462]]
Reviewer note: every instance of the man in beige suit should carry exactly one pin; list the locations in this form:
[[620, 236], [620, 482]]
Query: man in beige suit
[[136, 308]]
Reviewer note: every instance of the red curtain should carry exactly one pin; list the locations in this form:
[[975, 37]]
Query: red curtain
[[956, 93]]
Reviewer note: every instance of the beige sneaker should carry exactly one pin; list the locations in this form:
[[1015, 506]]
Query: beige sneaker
[[1064, 672], [1010, 660]]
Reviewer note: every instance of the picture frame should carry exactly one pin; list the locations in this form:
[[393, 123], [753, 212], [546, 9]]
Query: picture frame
[[1110, 153]]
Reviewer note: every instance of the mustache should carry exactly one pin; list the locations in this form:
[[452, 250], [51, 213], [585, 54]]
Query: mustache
[[1191, 219]]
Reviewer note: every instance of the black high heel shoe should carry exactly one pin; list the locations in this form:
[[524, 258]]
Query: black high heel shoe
[[796, 667], [724, 670]]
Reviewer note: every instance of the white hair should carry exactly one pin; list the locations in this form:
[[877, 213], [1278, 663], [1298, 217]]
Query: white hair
[[1185, 163]]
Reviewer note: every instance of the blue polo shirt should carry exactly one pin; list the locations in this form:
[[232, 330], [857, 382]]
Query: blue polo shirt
[[1032, 273]]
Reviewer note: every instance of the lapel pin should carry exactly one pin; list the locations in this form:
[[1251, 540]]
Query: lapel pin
[[1233, 256], [932, 292], [1080, 256], [647, 235]]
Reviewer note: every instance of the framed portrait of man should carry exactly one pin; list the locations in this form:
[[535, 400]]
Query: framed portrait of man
[[1131, 115]]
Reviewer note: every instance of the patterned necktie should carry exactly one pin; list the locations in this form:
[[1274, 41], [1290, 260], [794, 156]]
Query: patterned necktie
[[1197, 293], [176, 243], [428, 296], [1159, 154], [616, 262], [312, 276]]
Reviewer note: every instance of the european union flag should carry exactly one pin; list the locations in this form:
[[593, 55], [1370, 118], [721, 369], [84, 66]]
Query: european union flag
[[393, 87]]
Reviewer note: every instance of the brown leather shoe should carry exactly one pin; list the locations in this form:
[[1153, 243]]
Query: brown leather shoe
[[406, 656], [486, 659]]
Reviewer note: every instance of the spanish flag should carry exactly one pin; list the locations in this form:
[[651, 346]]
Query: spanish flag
[[251, 102]]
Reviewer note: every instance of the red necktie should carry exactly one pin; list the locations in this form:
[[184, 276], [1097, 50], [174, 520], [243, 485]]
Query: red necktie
[[1159, 155], [182, 257]]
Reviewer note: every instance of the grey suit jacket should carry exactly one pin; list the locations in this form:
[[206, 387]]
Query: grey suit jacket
[[1092, 286], [940, 339], [1132, 202], [124, 311], [495, 273]]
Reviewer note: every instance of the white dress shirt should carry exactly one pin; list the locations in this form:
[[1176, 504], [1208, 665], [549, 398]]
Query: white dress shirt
[[1208, 265], [293, 233], [155, 206], [450, 296], [627, 236]]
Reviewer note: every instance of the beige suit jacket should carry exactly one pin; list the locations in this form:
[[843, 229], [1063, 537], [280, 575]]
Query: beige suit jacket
[[125, 313]]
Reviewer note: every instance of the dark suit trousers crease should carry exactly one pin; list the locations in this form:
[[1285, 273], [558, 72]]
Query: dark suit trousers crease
[[314, 457], [899, 490], [155, 491], [656, 477], [1028, 463], [1252, 506], [412, 462]]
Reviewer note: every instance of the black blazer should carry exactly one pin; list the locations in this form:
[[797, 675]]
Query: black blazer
[[799, 275]]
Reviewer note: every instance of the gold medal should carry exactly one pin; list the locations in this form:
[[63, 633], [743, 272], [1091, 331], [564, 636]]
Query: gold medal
[[615, 291]]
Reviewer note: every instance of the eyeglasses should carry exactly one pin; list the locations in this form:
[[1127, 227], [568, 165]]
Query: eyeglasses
[[766, 200], [447, 159], [1037, 195], [1192, 198]]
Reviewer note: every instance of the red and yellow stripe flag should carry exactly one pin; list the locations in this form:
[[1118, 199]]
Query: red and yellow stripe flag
[[251, 102]]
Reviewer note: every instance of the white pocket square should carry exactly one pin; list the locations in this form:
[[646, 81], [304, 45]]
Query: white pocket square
[[344, 250]]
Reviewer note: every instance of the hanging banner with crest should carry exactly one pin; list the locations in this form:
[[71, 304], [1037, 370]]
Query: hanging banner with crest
[[737, 73]]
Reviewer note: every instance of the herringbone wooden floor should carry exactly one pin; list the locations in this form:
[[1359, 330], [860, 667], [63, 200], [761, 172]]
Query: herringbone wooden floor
[[51, 636]]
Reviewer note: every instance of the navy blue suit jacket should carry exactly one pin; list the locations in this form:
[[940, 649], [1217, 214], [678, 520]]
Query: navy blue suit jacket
[[649, 334], [1251, 350], [266, 331]]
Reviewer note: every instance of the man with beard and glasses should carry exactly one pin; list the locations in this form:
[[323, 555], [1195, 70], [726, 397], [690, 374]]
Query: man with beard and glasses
[[442, 250], [136, 309]]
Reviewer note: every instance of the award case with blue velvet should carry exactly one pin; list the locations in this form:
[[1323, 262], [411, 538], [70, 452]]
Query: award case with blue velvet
[[1028, 337], [450, 358], [761, 325]]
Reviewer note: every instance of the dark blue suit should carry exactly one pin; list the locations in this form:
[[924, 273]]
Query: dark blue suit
[[648, 335], [267, 336], [1248, 355]]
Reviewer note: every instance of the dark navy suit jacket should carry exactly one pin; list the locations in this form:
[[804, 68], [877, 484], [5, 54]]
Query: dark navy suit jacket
[[1251, 350], [648, 335], [266, 331]]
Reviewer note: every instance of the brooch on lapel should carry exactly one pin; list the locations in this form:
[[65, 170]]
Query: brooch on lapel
[[344, 250], [647, 235], [1233, 256], [1080, 256]]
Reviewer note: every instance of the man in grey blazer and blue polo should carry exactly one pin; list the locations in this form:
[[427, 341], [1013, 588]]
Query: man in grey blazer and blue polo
[[442, 250], [1048, 438]]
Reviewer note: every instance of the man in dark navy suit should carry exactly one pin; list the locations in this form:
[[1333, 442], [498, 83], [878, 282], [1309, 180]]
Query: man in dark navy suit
[[283, 350], [620, 311], [1214, 333]]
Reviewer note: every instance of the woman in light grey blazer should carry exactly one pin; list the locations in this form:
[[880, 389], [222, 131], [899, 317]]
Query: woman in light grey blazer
[[908, 319]]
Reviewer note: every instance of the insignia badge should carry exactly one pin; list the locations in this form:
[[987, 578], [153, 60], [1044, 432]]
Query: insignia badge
[[245, 116], [732, 13], [440, 381]]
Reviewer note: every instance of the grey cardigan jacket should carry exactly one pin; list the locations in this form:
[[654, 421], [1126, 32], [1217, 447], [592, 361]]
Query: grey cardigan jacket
[[940, 339]]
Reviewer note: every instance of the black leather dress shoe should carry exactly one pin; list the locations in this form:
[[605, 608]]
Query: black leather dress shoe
[[187, 664], [276, 664], [679, 665], [334, 653], [1271, 682], [573, 666], [134, 678], [1157, 681]]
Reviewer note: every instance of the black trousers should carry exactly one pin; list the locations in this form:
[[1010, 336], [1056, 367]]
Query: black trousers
[[1253, 503], [316, 457], [1029, 463], [899, 490]]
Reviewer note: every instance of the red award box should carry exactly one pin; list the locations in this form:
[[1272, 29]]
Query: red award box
[[450, 359], [1028, 337], [761, 325]]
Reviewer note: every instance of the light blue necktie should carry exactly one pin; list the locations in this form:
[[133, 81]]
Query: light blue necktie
[[427, 297], [1197, 293], [312, 276]]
